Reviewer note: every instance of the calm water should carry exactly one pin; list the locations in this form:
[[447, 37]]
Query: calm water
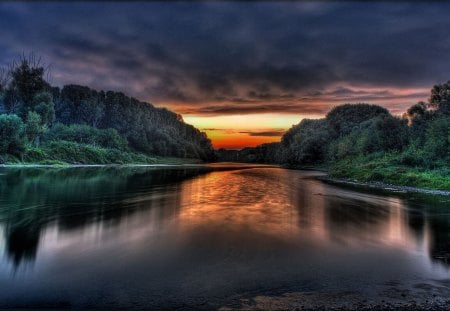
[[214, 237]]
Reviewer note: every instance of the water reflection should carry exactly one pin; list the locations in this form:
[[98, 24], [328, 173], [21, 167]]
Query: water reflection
[[74, 198], [204, 237]]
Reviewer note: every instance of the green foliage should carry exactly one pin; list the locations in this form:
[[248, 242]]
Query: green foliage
[[12, 135], [365, 142], [386, 168], [343, 119], [106, 119], [74, 153], [44, 106], [440, 98], [419, 117], [33, 126], [306, 142], [437, 143], [371, 145], [147, 129], [39, 117], [27, 80], [84, 134], [380, 134], [413, 156]]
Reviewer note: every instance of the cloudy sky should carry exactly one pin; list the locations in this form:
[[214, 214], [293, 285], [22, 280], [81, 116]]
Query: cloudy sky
[[242, 71]]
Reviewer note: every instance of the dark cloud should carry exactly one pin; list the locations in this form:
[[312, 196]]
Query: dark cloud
[[239, 57], [260, 133], [272, 133], [315, 109]]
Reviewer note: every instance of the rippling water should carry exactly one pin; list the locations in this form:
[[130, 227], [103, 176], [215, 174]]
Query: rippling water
[[217, 236]]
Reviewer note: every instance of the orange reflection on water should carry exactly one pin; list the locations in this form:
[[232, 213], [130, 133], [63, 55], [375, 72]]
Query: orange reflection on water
[[240, 200], [288, 205]]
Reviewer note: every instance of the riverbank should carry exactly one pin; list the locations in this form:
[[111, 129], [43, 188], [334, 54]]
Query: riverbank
[[380, 185], [388, 171], [385, 176], [74, 154], [157, 161]]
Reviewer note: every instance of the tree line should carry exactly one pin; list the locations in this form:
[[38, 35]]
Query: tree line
[[35, 114], [418, 138]]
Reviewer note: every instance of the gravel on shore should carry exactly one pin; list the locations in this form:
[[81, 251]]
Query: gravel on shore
[[381, 186]]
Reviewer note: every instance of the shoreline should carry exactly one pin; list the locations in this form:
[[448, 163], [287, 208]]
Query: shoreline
[[325, 178], [381, 186], [89, 165], [168, 164]]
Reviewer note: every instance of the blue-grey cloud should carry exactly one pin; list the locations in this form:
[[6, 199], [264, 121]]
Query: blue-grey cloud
[[238, 57]]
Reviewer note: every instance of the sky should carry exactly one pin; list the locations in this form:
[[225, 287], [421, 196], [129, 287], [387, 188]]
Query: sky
[[243, 72]]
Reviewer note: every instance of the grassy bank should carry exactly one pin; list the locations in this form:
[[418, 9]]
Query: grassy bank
[[66, 153], [388, 169]]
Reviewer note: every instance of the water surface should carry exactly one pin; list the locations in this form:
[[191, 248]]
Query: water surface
[[210, 237]]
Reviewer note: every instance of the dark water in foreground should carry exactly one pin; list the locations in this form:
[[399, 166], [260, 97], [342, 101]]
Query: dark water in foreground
[[209, 238]]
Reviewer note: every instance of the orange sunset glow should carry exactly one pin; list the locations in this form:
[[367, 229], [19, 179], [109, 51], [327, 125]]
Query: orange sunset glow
[[239, 131], [231, 125]]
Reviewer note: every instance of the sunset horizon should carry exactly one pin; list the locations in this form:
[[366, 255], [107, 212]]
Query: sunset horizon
[[264, 63], [225, 155]]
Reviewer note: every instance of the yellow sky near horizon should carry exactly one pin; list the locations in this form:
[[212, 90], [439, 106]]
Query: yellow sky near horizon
[[234, 125], [249, 130]]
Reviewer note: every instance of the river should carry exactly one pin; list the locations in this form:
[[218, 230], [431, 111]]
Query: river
[[215, 237]]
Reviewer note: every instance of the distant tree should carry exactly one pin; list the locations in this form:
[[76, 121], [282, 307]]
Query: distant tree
[[419, 118], [416, 112], [44, 106], [27, 80], [4, 79], [2, 104], [384, 133], [91, 111], [440, 98], [306, 142], [12, 135], [379, 134], [343, 119]]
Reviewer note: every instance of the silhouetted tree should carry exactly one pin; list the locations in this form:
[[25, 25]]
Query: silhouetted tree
[[27, 80], [440, 98]]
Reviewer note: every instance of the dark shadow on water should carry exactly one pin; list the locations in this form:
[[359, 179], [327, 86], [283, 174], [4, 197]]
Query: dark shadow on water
[[22, 243], [423, 212], [76, 197]]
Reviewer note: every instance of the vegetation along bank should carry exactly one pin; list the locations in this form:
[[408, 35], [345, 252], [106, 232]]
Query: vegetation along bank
[[367, 143]]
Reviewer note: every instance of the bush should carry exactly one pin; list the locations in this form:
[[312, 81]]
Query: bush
[[12, 135], [84, 134], [75, 153], [413, 156], [33, 126], [437, 139], [380, 134]]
